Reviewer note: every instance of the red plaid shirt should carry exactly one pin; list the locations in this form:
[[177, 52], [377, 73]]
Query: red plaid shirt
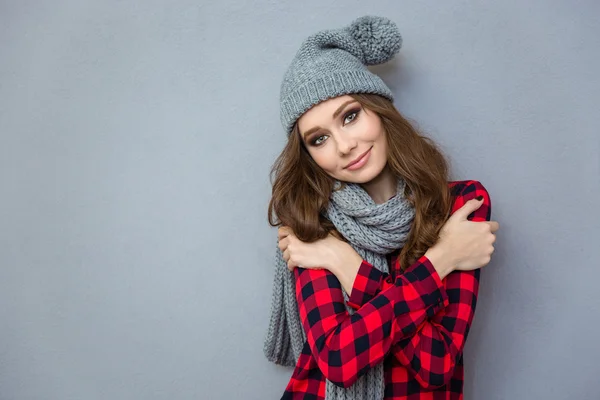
[[413, 322]]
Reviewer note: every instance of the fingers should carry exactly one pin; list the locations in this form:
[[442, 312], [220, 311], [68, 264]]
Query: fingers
[[290, 263], [284, 234], [284, 231], [494, 225], [283, 244], [467, 208], [286, 255], [285, 237]]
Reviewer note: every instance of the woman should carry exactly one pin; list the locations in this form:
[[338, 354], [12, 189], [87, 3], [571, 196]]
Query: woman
[[384, 251]]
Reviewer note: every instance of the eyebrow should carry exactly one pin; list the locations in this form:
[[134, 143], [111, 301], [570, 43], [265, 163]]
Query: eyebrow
[[335, 114]]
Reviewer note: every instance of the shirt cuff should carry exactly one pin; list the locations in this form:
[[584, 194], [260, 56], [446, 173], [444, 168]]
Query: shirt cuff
[[367, 282], [434, 295]]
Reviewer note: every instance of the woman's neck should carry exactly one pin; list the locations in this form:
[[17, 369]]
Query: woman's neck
[[383, 187]]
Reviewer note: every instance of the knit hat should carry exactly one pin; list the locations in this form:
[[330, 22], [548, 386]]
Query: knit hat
[[332, 63]]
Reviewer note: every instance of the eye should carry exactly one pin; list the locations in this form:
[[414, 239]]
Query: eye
[[317, 140], [351, 116]]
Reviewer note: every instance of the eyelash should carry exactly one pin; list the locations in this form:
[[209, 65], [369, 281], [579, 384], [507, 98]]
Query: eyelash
[[355, 112]]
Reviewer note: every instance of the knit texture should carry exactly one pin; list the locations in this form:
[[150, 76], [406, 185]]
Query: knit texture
[[332, 63], [373, 230]]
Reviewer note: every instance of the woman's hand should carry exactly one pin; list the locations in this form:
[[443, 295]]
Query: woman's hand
[[321, 254], [329, 253], [464, 245]]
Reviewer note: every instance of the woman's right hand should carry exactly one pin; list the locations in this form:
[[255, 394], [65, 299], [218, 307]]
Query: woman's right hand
[[465, 245]]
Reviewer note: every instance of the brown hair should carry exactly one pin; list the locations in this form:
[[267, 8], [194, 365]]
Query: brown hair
[[301, 189]]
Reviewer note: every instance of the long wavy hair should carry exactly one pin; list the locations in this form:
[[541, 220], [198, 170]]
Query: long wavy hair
[[301, 189]]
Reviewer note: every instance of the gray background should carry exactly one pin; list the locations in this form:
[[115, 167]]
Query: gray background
[[136, 141]]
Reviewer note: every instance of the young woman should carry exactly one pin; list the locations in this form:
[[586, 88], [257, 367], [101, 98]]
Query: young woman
[[377, 268]]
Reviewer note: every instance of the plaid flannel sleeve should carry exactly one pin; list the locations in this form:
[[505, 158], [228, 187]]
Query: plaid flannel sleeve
[[346, 346], [433, 351]]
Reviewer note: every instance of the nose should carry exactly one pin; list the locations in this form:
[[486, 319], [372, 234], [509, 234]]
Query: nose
[[345, 143]]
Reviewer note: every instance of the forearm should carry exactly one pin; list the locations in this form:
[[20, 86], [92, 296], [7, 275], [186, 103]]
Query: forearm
[[441, 260], [345, 268], [443, 335], [345, 263], [429, 355]]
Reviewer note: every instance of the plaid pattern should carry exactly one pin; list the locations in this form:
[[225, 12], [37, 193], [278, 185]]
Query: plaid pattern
[[413, 322]]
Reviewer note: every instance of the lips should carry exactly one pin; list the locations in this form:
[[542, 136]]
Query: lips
[[359, 158]]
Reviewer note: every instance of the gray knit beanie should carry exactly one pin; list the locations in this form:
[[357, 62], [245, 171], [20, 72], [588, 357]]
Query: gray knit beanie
[[332, 63]]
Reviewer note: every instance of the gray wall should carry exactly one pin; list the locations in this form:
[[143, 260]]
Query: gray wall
[[136, 141]]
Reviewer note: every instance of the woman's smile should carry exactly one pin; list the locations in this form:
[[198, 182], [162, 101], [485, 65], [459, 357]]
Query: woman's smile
[[362, 161]]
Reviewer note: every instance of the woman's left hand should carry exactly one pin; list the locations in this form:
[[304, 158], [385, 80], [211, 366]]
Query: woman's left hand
[[321, 254], [329, 253]]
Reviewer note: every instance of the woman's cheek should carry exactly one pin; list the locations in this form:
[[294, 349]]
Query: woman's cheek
[[326, 162]]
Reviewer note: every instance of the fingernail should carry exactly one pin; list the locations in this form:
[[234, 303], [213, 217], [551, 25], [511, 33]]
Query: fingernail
[[479, 198]]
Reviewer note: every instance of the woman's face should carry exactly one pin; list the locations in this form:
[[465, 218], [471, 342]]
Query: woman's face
[[347, 141]]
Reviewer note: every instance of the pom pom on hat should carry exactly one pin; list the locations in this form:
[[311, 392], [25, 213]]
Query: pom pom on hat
[[378, 37]]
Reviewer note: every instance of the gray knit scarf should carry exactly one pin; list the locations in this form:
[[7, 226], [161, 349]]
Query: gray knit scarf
[[373, 230]]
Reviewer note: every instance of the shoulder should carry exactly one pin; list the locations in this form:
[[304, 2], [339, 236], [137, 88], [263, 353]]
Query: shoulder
[[468, 189], [463, 191]]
